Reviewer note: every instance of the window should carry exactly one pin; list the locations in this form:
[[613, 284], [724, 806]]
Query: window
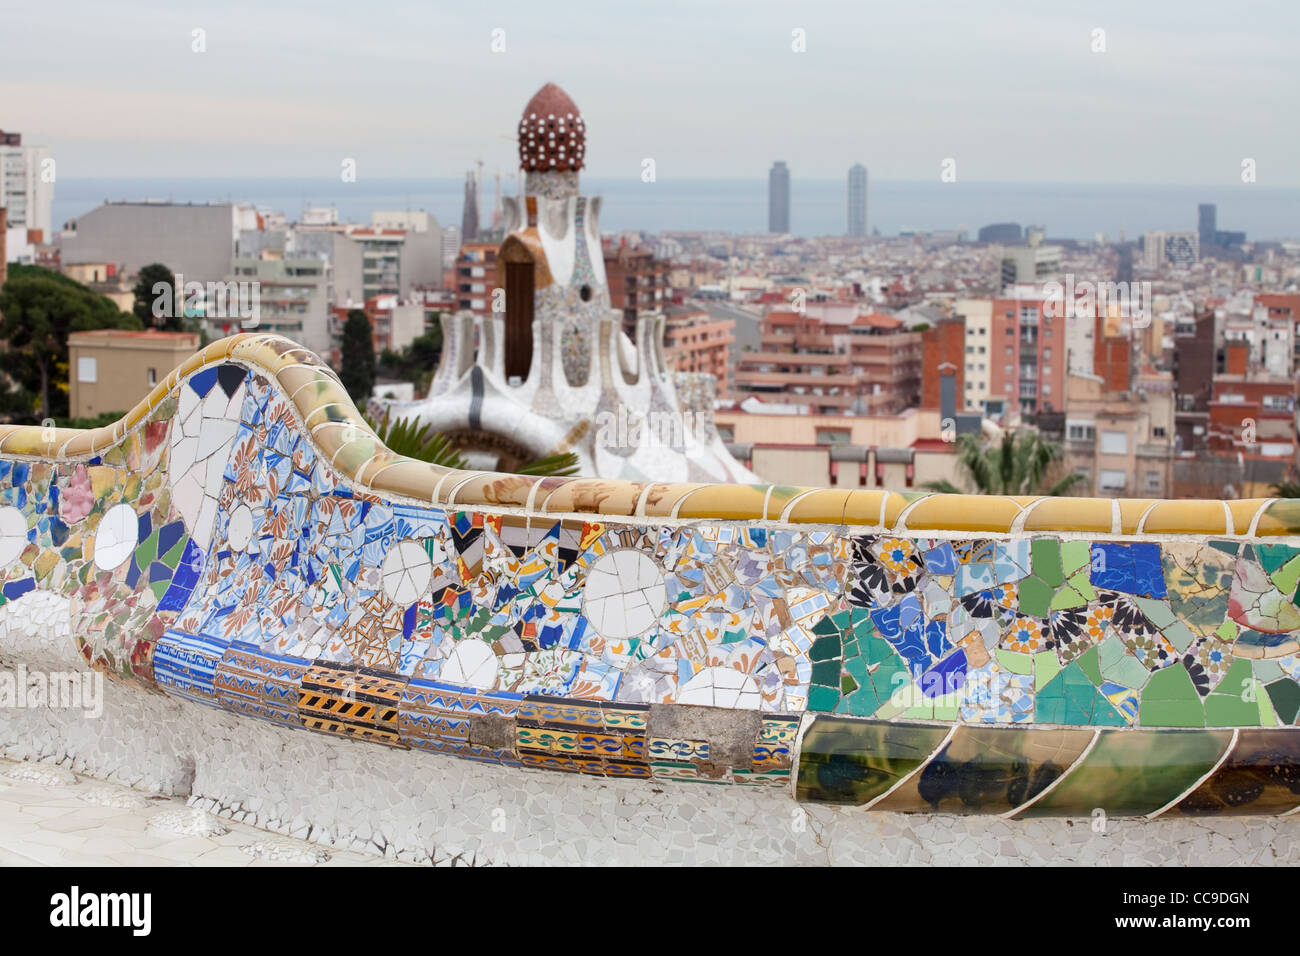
[[1047, 354], [1008, 369], [1010, 351], [87, 369], [153, 377], [1112, 480], [833, 436], [1158, 432], [1153, 482], [1080, 431], [1114, 443], [1047, 390]]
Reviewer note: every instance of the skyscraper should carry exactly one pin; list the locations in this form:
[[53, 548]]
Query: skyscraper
[[469, 213], [1206, 223], [778, 198], [857, 200]]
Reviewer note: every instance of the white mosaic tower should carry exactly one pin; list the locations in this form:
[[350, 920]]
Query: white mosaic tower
[[552, 370]]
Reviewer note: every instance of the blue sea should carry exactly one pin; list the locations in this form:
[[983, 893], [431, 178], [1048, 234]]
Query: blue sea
[[1067, 211]]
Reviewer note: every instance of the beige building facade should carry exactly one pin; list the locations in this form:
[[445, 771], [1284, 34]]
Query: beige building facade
[[110, 370]]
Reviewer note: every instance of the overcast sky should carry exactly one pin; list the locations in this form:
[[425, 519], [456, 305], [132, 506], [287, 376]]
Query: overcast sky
[[708, 88]]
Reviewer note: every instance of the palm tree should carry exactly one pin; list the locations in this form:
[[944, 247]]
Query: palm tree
[[1018, 465], [408, 437], [1286, 489]]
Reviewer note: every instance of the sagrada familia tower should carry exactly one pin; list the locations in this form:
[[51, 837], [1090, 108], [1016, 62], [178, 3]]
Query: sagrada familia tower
[[551, 370]]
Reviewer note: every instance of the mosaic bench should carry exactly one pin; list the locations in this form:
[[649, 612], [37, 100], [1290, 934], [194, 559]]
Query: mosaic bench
[[242, 540]]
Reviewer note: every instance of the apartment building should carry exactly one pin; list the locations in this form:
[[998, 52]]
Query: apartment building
[[196, 240], [638, 282], [476, 276], [695, 341], [26, 187], [111, 370], [1027, 356], [396, 253], [1121, 441], [293, 297], [974, 392], [834, 362]]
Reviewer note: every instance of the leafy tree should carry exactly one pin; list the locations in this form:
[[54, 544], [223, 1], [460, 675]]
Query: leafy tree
[[150, 276], [1287, 489], [416, 362], [38, 310], [1020, 464], [408, 437], [358, 365]]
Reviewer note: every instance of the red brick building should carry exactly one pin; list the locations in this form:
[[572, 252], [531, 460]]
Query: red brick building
[[943, 352], [638, 282], [694, 341], [1027, 357]]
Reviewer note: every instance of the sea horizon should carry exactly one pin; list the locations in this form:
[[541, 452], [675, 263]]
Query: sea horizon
[[818, 207]]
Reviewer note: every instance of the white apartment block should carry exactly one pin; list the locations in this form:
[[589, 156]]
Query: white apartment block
[[27, 187], [978, 314]]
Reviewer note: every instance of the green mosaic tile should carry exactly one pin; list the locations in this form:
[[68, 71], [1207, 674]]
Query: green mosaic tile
[[1015, 662], [1090, 664], [1066, 598], [1170, 700], [1119, 666], [1287, 577], [1284, 694], [825, 649], [822, 699], [1046, 666], [1046, 556], [1035, 596], [1266, 670], [1229, 710], [1071, 698], [1273, 556], [1075, 555]]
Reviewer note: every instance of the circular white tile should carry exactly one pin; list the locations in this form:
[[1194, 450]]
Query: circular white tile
[[116, 537], [13, 534], [406, 572], [240, 529], [472, 663], [624, 594]]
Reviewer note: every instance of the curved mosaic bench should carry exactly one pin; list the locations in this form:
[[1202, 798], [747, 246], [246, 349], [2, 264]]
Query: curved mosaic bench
[[243, 540]]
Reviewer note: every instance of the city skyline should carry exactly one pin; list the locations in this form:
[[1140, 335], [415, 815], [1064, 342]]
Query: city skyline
[[245, 107]]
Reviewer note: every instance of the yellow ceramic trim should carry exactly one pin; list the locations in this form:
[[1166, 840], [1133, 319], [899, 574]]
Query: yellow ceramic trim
[[343, 436]]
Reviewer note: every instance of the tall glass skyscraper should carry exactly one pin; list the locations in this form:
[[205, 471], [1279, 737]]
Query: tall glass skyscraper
[[778, 198], [857, 200]]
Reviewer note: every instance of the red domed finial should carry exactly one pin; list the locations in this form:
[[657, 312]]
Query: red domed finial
[[552, 135]]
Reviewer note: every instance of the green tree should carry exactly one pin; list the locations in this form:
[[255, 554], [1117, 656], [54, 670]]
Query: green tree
[[1020, 464], [416, 362], [358, 365], [38, 310], [1287, 489], [149, 277]]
